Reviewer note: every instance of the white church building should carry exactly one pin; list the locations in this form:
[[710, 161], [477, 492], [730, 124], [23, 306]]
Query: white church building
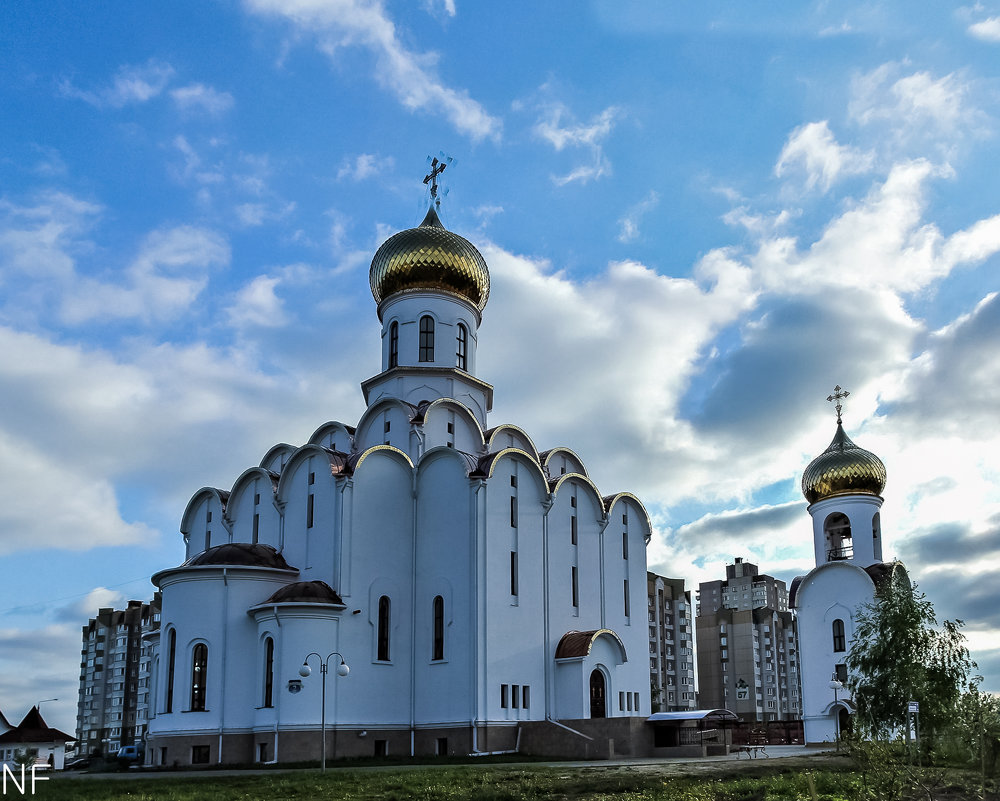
[[468, 582], [843, 486]]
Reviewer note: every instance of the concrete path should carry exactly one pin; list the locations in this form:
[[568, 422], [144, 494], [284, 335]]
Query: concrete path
[[772, 752]]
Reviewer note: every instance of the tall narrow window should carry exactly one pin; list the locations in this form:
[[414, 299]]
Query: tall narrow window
[[462, 348], [626, 598], [839, 640], [427, 338], [310, 508], [513, 511], [513, 572], [624, 545], [576, 588], [268, 672], [394, 344], [171, 662], [256, 528], [572, 530], [438, 652], [199, 668], [383, 629]]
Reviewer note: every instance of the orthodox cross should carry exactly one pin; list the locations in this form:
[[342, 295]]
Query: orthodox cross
[[838, 395], [437, 167]]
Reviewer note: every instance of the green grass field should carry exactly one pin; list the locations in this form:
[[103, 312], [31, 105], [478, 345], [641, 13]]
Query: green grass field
[[816, 778], [465, 782]]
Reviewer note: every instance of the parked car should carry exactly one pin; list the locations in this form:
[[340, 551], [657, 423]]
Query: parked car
[[131, 753], [78, 763]]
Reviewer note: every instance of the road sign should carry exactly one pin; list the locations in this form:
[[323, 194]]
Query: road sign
[[914, 707]]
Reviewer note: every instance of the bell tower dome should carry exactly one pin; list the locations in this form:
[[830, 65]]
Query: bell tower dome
[[431, 286], [844, 487]]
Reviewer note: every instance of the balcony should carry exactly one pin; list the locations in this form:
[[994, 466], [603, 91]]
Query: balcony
[[839, 554]]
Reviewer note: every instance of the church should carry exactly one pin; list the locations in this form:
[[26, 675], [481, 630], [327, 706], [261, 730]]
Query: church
[[843, 486], [418, 583]]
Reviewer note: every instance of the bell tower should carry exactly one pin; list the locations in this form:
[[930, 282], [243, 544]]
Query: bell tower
[[844, 488]]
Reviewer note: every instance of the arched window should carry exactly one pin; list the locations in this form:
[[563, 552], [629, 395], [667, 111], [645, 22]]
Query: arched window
[[839, 545], [199, 669], [171, 662], [438, 651], [394, 344], [383, 629], [462, 352], [426, 338], [839, 640], [268, 672]]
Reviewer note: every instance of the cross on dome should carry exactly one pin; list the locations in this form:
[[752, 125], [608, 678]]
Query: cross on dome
[[838, 395], [437, 167]]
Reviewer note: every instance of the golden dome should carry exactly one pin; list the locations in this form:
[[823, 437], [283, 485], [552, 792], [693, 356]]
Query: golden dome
[[430, 257], [841, 469]]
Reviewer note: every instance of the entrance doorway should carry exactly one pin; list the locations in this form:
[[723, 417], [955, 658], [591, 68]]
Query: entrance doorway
[[598, 705]]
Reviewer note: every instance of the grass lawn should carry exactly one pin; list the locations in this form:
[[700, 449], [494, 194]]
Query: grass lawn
[[820, 777], [729, 781]]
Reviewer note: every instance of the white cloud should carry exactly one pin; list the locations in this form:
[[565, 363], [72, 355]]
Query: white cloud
[[165, 278], [257, 305], [988, 29], [46, 503], [813, 149], [410, 76], [628, 225], [918, 109], [198, 97], [447, 7], [80, 611], [588, 136], [363, 166], [131, 84]]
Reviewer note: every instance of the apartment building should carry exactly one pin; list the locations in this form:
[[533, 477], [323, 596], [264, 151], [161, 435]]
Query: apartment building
[[671, 645], [748, 646], [114, 677]]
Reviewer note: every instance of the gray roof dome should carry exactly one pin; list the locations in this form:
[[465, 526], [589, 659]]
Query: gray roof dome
[[242, 554]]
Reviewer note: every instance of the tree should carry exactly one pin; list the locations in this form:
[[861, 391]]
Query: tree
[[901, 654]]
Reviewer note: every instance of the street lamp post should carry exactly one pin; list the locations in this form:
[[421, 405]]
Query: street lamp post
[[304, 671], [836, 685]]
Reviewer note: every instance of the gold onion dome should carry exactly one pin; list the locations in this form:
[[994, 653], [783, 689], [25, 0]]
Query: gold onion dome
[[841, 469], [430, 257]]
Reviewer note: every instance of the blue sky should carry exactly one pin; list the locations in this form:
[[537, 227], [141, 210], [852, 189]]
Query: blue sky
[[697, 223]]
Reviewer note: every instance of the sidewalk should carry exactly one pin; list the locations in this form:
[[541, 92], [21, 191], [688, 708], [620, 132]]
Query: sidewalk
[[772, 752]]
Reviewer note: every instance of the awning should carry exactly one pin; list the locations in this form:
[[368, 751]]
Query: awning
[[693, 714]]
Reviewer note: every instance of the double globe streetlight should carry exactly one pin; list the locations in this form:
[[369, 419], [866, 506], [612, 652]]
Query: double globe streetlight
[[836, 685], [305, 671]]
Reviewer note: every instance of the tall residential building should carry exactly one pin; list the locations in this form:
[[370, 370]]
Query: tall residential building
[[114, 677], [748, 646], [671, 644]]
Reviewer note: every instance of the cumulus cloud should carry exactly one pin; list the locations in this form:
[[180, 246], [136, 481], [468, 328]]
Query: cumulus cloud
[[198, 97], [167, 275], [363, 166], [813, 150], [82, 610], [988, 30], [84, 513], [257, 305], [919, 110], [558, 127], [409, 75], [131, 84]]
